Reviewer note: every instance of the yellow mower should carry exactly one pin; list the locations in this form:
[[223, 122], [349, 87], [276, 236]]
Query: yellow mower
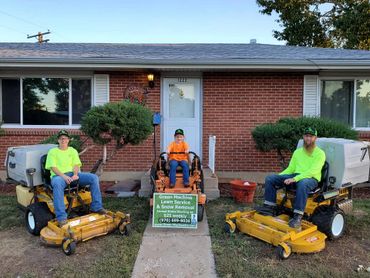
[[326, 207], [36, 198]]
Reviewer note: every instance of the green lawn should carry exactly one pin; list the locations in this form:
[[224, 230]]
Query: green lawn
[[239, 255]]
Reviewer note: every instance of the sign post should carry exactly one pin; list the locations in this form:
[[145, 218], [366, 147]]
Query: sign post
[[175, 210]]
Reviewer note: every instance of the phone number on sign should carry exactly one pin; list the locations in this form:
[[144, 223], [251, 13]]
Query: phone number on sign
[[174, 220]]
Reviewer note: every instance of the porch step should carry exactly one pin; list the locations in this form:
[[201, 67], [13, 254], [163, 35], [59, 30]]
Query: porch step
[[210, 185]]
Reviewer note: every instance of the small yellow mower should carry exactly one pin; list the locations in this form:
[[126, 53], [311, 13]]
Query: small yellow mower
[[37, 201], [324, 215]]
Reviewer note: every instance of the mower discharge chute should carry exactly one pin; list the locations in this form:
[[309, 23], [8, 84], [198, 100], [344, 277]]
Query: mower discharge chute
[[347, 163], [26, 166], [159, 177]]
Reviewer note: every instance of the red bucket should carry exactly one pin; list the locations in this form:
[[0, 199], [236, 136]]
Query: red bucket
[[243, 191]]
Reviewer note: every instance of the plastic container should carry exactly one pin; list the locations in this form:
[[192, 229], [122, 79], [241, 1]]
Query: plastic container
[[243, 191]]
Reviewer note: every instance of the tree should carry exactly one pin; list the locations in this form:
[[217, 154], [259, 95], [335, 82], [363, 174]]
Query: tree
[[319, 23], [121, 122], [283, 135]]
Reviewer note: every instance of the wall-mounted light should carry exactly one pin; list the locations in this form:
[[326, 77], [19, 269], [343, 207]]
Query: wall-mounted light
[[151, 80]]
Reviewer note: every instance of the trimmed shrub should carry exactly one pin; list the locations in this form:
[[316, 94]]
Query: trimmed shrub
[[284, 135]]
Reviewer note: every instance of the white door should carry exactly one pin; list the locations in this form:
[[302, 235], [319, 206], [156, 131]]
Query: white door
[[181, 109]]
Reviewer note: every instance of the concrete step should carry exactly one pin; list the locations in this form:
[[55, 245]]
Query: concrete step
[[210, 185]]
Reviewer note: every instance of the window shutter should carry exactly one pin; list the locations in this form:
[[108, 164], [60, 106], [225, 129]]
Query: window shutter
[[311, 99], [101, 89]]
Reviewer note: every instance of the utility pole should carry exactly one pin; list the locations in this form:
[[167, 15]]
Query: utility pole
[[40, 37]]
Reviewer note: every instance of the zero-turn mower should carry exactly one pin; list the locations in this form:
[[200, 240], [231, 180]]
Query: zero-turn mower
[[326, 208], [36, 199]]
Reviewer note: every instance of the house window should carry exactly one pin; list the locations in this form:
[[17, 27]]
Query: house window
[[337, 100], [10, 99], [363, 103], [45, 101]]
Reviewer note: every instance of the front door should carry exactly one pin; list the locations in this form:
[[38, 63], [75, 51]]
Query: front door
[[181, 109]]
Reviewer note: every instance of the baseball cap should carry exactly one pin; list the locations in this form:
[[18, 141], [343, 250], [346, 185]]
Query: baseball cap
[[310, 130], [63, 132], [179, 132]]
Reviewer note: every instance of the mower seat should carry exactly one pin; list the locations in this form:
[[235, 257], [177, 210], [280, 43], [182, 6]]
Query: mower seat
[[45, 175]]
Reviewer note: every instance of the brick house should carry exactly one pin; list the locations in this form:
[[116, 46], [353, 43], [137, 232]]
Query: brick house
[[207, 89]]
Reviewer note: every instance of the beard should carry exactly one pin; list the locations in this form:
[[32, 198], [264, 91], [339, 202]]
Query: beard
[[309, 146]]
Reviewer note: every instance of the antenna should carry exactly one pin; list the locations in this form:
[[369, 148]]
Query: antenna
[[40, 36]]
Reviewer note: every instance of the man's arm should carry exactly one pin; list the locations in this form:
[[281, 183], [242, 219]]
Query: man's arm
[[291, 167]]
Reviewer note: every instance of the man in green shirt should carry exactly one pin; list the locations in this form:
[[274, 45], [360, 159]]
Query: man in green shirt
[[303, 174], [64, 165]]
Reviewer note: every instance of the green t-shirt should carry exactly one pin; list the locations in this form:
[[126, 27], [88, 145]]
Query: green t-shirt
[[306, 165], [64, 160]]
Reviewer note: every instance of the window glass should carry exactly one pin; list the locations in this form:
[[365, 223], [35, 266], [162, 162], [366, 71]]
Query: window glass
[[11, 97], [81, 98], [182, 100], [337, 100], [45, 101], [363, 103]]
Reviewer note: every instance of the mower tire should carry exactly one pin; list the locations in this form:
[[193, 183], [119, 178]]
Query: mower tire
[[124, 229], [68, 246], [37, 217], [330, 221], [200, 212], [282, 253]]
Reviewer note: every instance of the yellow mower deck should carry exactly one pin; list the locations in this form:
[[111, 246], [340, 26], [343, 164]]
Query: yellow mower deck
[[275, 230], [84, 228]]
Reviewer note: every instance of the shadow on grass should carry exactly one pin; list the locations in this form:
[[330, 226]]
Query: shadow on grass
[[239, 255]]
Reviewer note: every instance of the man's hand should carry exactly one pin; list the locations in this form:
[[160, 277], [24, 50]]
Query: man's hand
[[289, 181], [67, 179], [75, 177]]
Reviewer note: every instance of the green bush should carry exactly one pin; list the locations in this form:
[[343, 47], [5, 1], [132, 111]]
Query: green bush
[[284, 135], [75, 141], [123, 122]]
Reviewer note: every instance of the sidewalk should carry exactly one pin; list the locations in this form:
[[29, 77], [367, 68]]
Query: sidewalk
[[175, 253]]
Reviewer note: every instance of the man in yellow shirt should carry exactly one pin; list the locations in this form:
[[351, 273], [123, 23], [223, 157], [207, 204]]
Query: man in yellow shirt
[[303, 174], [177, 153], [64, 165]]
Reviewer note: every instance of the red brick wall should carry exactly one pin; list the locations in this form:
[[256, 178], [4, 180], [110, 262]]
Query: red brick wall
[[235, 103]]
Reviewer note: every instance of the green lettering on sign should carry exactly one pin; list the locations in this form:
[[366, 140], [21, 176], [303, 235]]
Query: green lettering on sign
[[175, 210]]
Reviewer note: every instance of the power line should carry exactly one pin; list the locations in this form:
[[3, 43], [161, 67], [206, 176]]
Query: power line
[[24, 20]]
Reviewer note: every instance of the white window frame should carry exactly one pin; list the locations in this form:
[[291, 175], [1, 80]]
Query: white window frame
[[344, 78], [69, 77]]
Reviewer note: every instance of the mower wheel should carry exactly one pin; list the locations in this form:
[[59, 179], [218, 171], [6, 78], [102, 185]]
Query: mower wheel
[[37, 217], [330, 221], [200, 212], [230, 227], [124, 229], [68, 246], [283, 253]]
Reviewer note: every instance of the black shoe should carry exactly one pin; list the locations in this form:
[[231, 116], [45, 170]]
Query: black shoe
[[102, 211], [61, 223], [295, 222], [186, 185], [267, 210], [172, 185]]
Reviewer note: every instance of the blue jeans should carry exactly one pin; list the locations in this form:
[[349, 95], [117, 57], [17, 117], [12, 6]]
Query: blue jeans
[[59, 185], [185, 170], [303, 187]]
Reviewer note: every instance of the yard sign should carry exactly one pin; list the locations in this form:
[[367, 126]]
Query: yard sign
[[175, 210]]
